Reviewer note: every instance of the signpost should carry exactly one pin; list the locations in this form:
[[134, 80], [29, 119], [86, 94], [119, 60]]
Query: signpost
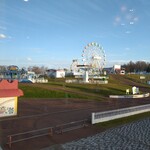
[[9, 93]]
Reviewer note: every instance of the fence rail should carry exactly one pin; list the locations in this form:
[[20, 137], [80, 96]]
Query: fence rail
[[71, 126], [118, 113], [59, 129], [23, 136]]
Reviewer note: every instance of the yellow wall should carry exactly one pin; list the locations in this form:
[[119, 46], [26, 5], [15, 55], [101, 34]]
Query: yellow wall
[[8, 106]]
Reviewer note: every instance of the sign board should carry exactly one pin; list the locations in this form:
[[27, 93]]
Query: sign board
[[8, 106], [142, 77]]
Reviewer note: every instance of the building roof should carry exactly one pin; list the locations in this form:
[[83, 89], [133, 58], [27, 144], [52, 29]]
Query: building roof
[[10, 89]]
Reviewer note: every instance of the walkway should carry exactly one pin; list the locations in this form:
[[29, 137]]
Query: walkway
[[133, 136]]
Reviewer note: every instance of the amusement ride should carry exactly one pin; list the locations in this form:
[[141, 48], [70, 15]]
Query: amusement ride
[[93, 62]]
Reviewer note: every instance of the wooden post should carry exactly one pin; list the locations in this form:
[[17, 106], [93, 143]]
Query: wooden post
[[51, 132], [84, 125], [9, 141], [61, 130]]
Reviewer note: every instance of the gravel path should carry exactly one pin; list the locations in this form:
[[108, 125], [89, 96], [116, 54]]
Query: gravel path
[[133, 136]]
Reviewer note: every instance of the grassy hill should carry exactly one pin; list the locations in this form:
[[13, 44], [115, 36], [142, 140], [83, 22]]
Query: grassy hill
[[57, 88]]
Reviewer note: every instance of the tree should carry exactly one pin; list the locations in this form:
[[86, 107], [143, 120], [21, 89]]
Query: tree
[[38, 70], [148, 68], [3, 68], [139, 66], [131, 66]]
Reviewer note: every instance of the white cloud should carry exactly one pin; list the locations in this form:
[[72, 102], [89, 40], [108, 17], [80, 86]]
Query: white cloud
[[29, 59], [2, 36], [26, 0]]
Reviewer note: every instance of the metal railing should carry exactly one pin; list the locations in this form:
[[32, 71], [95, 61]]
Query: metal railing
[[59, 129], [23, 136], [118, 113], [71, 126]]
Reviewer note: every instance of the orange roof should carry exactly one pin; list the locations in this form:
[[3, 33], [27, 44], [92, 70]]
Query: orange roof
[[10, 89], [11, 93]]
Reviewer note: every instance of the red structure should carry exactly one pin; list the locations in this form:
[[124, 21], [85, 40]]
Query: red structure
[[9, 94]]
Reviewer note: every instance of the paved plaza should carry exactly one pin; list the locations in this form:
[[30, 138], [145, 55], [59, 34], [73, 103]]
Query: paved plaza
[[133, 136]]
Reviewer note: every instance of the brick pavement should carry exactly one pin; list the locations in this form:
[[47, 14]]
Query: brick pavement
[[133, 136]]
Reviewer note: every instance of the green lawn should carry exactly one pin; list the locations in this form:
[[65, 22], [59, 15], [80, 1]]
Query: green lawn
[[36, 92], [57, 88]]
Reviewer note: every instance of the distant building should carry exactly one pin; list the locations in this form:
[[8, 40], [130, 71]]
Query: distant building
[[117, 69], [53, 73], [31, 75]]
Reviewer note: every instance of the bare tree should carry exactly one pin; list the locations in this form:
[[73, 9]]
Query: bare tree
[[37, 69], [3, 68], [139, 66]]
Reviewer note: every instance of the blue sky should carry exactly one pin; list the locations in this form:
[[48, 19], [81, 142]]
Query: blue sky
[[54, 32]]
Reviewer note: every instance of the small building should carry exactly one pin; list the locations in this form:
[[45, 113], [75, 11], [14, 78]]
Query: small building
[[53, 73], [117, 69], [9, 94]]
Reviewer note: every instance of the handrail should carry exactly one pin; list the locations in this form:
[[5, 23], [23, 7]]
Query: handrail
[[46, 131], [32, 131], [70, 126], [73, 122], [10, 137]]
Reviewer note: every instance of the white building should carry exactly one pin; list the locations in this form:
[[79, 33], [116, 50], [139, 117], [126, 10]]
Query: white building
[[59, 73], [118, 70]]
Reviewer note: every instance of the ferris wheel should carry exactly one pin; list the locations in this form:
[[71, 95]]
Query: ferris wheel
[[94, 56]]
